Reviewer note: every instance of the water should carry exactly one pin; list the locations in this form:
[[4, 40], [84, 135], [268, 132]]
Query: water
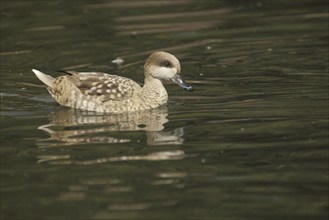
[[251, 141]]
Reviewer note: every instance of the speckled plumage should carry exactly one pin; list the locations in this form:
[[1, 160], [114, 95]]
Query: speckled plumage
[[101, 92]]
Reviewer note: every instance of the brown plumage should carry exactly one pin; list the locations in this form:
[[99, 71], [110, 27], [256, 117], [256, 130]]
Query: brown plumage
[[103, 92]]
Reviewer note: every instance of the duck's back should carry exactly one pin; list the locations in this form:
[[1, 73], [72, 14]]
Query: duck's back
[[95, 91]]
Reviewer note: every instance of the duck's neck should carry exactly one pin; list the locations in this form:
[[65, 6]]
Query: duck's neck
[[153, 89]]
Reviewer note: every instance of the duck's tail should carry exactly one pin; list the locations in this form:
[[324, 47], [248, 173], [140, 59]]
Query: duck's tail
[[46, 79]]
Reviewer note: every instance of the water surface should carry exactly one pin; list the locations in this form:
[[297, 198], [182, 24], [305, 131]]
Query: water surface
[[251, 141]]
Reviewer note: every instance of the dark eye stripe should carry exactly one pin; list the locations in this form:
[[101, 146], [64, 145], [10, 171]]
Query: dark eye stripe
[[165, 63]]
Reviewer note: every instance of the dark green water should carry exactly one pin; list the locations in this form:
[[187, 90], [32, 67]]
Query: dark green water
[[251, 142]]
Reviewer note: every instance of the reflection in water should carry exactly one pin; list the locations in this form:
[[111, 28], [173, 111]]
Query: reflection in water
[[65, 159], [70, 127]]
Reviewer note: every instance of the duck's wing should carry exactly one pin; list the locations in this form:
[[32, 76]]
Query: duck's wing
[[103, 86]]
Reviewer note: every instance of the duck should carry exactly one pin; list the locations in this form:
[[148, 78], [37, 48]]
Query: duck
[[103, 92]]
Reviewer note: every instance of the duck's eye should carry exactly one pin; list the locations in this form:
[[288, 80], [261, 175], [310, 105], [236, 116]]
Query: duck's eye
[[165, 63]]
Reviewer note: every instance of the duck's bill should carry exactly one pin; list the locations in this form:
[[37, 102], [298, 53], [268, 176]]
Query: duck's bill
[[178, 80]]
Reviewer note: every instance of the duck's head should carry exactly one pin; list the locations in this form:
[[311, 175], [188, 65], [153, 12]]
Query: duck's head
[[162, 65]]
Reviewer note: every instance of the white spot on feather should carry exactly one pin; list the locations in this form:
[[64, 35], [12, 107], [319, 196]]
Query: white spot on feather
[[84, 103]]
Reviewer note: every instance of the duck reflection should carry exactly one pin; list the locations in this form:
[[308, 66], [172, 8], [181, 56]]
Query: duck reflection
[[69, 127]]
